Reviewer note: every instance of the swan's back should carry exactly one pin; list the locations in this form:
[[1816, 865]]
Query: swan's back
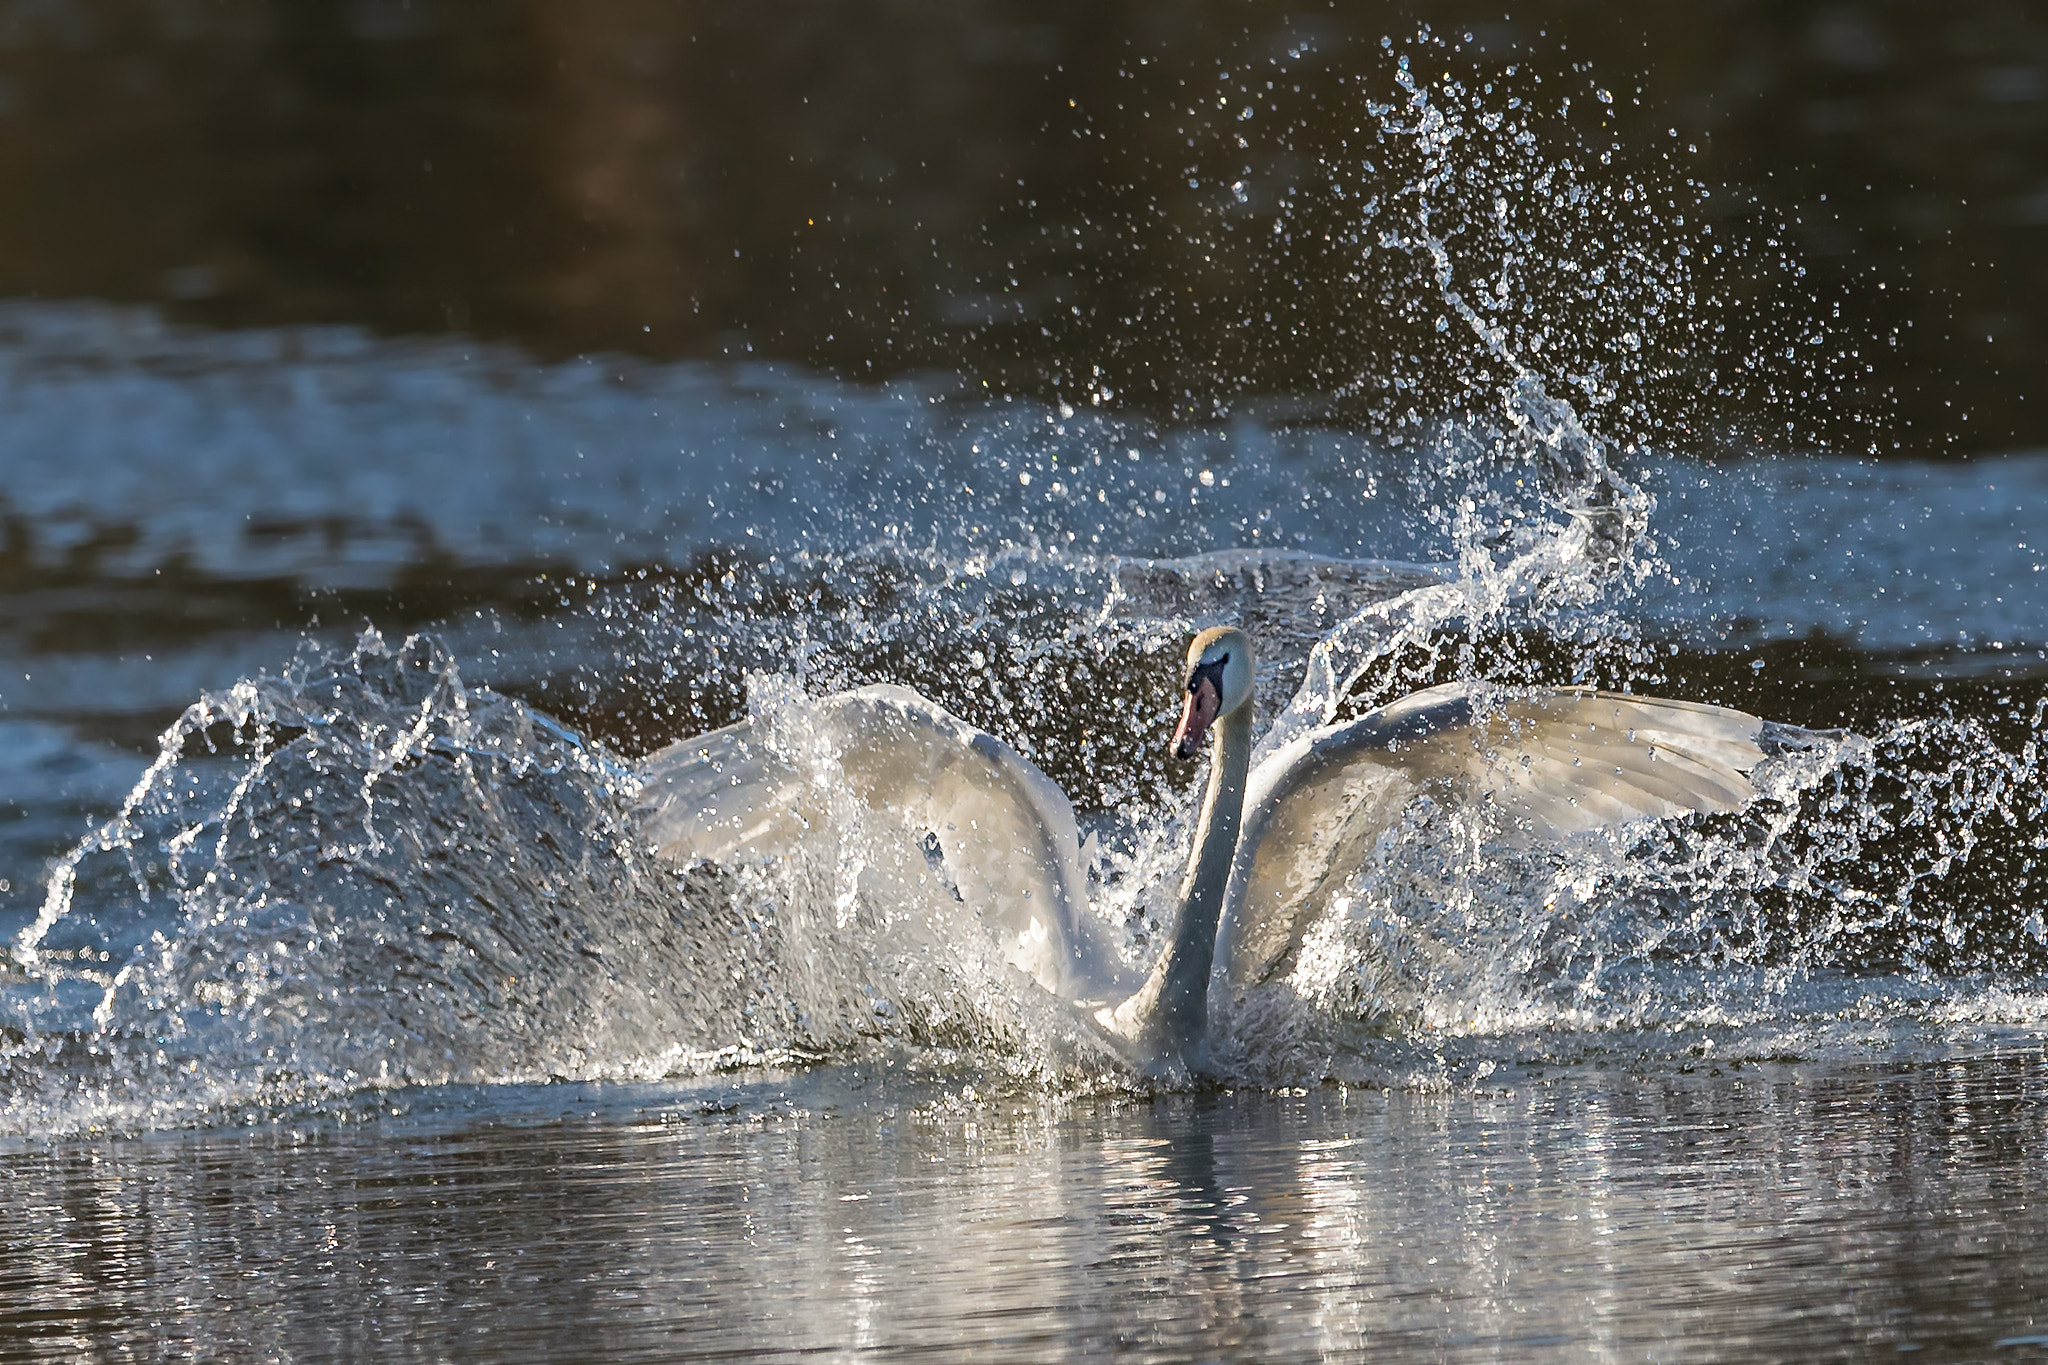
[[992, 830], [1551, 763]]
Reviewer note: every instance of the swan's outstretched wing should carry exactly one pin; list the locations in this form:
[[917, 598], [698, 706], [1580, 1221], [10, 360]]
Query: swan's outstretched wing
[[712, 796], [1551, 763], [994, 830]]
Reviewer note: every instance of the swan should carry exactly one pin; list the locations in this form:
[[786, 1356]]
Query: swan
[[1272, 845]]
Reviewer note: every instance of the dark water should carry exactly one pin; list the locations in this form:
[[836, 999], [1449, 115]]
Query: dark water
[[1157, 200], [355, 539]]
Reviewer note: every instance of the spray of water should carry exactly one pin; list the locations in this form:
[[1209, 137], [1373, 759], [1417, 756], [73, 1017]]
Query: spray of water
[[363, 873]]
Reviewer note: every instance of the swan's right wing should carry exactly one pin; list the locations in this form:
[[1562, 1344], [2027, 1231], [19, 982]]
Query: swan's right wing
[[987, 825], [712, 796], [1551, 763]]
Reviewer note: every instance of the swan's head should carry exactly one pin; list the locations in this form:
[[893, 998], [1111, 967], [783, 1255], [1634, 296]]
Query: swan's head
[[1219, 681]]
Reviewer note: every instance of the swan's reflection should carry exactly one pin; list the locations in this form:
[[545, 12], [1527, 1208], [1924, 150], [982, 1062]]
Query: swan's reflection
[[1750, 1215]]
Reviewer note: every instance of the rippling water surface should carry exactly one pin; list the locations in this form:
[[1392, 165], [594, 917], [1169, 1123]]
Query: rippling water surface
[[1644, 1210], [347, 1011]]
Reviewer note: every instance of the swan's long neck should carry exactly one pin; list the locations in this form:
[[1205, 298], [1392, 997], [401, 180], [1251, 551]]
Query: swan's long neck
[[1171, 1011]]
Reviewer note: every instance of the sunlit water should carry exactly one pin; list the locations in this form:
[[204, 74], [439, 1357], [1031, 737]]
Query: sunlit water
[[1658, 1211], [1732, 1086]]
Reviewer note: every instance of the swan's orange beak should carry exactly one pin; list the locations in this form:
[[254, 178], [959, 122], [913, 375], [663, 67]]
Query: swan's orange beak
[[1195, 717]]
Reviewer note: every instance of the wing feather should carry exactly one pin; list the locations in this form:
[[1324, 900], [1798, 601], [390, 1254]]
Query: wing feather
[[998, 832], [708, 797], [1552, 762]]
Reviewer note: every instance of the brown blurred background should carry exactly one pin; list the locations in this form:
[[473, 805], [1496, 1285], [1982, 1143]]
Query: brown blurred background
[[995, 189]]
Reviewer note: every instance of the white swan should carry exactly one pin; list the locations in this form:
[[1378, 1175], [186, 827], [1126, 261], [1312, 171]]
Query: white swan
[[1272, 844]]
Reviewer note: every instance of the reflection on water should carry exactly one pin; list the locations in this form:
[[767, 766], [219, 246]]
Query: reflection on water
[[1737, 1211]]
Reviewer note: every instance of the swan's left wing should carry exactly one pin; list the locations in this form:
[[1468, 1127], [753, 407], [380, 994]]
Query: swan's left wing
[[995, 832], [1551, 763]]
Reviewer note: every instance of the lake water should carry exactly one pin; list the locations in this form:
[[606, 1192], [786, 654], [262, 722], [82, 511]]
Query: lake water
[[347, 1015], [1643, 1210]]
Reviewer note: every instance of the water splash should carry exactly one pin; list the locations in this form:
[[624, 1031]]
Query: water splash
[[1546, 525], [363, 873], [1879, 888]]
